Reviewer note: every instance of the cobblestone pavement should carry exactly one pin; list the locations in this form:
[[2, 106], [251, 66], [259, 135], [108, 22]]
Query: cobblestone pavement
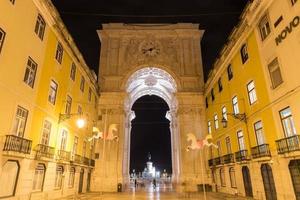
[[153, 195]]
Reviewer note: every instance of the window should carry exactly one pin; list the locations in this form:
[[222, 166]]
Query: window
[[68, 105], [58, 177], [235, 105], [219, 148], [82, 84], [222, 177], [40, 27], [84, 149], [2, 37], [229, 72], [46, 133], [206, 102], [9, 178], [59, 52], [244, 53], [212, 94], [90, 95], [241, 142], [220, 85], [216, 121], [264, 27], [287, 122], [38, 179], [228, 144], [275, 73], [232, 177], [30, 72], [63, 141], [209, 127], [75, 145], [293, 2], [79, 110], [71, 177], [251, 92], [20, 121], [52, 92], [224, 113], [258, 128], [73, 72]]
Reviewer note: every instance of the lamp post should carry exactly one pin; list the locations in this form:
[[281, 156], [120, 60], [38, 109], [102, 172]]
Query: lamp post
[[240, 116], [80, 122]]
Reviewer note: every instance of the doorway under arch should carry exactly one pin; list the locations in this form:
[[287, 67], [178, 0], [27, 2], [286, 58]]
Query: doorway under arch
[[152, 81]]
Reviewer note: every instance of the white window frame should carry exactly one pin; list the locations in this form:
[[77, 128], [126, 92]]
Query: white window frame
[[9, 176], [232, 177], [209, 127], [228, 145], [222, 177], [75, 145], [63, 139], [39, 176], [40, 27], [52, 92], [244, 53], [219, 149], [46, 132], [30, 72], [235, 105], [59, 52], [20, 121], [287, 122], [251, 92], [259, 133], [216, 121], [71, 177], [224, 113], [68, 104], [2, 38], [241, 141], [264, 27], [82, 83], [58, 177], [274, 66], [73, 72]]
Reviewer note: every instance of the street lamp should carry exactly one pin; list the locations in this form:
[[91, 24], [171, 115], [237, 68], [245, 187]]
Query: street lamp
[[240, 116], [80, 122]]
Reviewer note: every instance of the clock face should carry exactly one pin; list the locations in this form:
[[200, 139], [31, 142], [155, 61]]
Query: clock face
[[150, 49]]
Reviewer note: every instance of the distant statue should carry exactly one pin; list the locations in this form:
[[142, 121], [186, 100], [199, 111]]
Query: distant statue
[[149, 156]]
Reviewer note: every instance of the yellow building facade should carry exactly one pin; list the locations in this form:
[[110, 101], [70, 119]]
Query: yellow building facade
[[46, 88], [253, 117]]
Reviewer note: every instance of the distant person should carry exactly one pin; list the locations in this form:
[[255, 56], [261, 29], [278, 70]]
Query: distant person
[[135, 183], [154, 183]]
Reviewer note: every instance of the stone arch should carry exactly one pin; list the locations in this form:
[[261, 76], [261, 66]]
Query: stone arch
[[159, 66], [152, 81]]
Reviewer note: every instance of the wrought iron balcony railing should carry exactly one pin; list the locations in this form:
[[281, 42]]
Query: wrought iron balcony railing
[[77, 158], [17, 144], [228, 158], [64, 155], [241, 155], [44, 151], [211, 162], [260, 151], [218, 160], [288, 144]]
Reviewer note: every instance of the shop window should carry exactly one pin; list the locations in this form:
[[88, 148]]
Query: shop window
[[9, 178], [232, 177], [39, 176]]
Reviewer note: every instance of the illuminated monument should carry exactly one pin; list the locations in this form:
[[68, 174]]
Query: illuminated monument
[[150, 171]]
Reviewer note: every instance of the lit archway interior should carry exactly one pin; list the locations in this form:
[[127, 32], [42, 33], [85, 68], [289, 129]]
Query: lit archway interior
[[152, 81]]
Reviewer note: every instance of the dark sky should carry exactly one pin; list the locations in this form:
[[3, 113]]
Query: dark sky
[[150, 133], [84, 17]]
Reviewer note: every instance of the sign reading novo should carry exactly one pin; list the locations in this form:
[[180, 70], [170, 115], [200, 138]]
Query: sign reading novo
[[288, 29]]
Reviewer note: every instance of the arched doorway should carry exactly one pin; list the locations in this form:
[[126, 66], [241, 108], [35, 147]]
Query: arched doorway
[[247, 181], [268, 180], [80, 187], [294, 167], [150, 133], [152, 81]]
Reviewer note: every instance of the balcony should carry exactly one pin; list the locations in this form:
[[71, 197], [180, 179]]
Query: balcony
[[260, 151], [218, 161], [85, 161], [17, 144], [211, 162], [288, 144], [77, 159], [228, 158], [44, 151], [241, 155], [92, 162], [214, 161], [63, 155]]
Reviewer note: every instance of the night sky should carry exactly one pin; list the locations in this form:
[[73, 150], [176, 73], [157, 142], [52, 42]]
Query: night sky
[[150, 131]]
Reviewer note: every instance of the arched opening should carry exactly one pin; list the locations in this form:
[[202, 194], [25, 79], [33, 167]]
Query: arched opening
[[150, 133], [151, 82]]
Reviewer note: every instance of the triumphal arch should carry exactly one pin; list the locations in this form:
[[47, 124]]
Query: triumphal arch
[[149, 59]]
